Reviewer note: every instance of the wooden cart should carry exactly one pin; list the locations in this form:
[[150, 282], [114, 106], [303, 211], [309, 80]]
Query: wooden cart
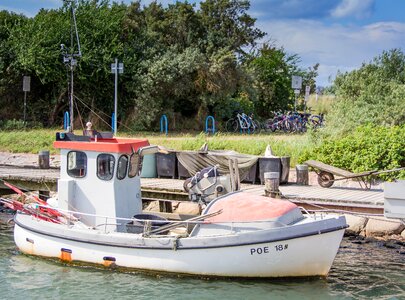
[[326, 174]]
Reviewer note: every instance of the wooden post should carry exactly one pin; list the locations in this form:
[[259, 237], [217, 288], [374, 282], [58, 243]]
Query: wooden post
[[302, 174], [234, 174], [43, 159], [285, 169], [271, 184]]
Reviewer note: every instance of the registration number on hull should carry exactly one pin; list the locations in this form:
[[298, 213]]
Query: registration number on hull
[[267, 249]]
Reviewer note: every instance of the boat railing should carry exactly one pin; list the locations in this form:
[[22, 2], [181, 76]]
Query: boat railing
[[305, 211], [73, 217]]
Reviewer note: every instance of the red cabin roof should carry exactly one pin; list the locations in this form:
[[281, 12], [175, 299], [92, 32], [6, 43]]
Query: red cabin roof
[[113, 145]]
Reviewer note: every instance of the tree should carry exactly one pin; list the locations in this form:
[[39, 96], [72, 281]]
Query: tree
[[10, 74], [272, 69], [180, 59], [228, 25], [37, 48]]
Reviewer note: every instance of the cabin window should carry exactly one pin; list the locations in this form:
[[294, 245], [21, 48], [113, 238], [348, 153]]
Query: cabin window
[[122, 167], [76, 164], [135, 165], [105, 166]]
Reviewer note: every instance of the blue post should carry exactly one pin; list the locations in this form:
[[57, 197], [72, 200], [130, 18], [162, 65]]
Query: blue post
[[66, 120], [212, 129], [165, 128], [113, 122]]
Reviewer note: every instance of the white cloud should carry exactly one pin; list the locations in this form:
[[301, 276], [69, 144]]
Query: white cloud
[[335, 47], [357, 8]]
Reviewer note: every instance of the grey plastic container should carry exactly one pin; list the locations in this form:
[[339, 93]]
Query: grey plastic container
[[149, 166], [252, 175], [268, 164], [182, 171], [166, 165]]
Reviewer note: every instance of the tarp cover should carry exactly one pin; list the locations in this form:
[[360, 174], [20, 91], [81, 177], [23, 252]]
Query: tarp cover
[[245, 207], [195, 161]]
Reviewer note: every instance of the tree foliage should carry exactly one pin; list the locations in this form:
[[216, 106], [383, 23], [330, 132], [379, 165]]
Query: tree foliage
[[179, 59], [375, 93]]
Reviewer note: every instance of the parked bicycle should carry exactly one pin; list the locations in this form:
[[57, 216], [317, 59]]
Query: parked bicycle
[[292, 122], [299, 122], [316, 121], [243, 123], [279, 122]]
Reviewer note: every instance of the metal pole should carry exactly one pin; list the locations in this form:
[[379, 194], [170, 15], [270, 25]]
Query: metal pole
[[116, 96], [25, 105], [71, 97]]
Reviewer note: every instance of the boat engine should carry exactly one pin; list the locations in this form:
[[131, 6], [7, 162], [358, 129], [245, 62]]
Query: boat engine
[[207, 185]]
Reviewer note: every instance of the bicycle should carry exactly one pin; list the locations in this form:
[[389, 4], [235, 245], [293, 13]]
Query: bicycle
[[242, 122], [316, 121], [280, 122]]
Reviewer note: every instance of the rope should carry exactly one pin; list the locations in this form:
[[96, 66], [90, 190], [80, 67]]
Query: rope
[[80, 116], [94, 112], [103, 113]]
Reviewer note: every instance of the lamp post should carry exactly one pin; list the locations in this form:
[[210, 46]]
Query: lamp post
[[116, 68]]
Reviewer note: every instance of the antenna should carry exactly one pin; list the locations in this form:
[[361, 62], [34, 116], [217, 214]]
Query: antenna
[[70, 57]]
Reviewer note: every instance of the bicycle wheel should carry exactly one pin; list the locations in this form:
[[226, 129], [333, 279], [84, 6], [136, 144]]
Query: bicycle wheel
[[303, 126], [255, 126], [267, 124], [288, 126], [276, 125], [232, 125]]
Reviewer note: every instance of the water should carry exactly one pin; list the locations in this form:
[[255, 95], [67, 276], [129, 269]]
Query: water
[[360, 271]]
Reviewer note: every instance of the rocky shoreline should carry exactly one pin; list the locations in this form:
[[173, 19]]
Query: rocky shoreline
[[363, 229]]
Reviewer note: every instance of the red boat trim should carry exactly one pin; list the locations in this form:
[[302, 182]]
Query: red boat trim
[[115, 145]]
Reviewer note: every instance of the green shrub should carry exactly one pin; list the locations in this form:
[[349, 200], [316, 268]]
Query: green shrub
[[374, 93], [367, 148]]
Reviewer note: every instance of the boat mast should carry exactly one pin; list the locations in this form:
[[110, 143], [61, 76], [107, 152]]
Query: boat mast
[[70, 57]]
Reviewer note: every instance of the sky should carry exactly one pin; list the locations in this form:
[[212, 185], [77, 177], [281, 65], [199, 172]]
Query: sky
[[338, 34]]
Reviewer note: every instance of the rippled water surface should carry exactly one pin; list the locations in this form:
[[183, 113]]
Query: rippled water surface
[[360, 271]]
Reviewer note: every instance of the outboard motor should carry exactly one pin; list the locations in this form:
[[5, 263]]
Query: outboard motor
[[207, 184]]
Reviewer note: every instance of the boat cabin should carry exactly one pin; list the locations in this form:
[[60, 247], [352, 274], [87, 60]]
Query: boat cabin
[[100, 176]]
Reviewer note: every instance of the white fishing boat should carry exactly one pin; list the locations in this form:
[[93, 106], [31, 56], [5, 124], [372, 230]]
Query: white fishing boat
[[98, 219]]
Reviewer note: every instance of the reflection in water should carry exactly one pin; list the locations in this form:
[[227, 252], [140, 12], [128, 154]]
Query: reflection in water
[[360, 271]]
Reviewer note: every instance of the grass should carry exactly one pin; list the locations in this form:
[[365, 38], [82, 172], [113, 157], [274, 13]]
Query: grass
[[321, 105], [33, 141]]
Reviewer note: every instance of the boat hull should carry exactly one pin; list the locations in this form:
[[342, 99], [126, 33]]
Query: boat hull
[[310, 255]]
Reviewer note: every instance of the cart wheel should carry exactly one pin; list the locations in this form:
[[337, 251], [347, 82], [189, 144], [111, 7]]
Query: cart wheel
[[325, 179], [185, 184]]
